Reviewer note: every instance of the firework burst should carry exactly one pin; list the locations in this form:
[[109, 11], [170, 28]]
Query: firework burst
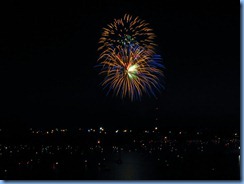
[[127, 31], [128, 59], [131, 72]]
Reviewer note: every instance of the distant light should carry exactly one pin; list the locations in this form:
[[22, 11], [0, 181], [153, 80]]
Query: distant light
[[156, 128], [116, 131], [125, 131], [98, 142], [56, 163], [85, 161], [101, 128], [179, 132]]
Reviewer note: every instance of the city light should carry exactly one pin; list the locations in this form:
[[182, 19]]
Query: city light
[[154, 145]]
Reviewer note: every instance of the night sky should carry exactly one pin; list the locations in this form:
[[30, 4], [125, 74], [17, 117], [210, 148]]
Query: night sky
[[48, 53]]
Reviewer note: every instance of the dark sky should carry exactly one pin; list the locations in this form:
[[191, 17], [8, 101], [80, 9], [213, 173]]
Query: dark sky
[[48, 53]]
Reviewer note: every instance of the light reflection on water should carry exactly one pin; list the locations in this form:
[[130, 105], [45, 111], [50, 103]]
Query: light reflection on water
[[138, 166], [134, 166]]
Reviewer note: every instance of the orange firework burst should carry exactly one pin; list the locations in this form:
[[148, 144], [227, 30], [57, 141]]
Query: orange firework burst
[[130, 72], [127, 31]]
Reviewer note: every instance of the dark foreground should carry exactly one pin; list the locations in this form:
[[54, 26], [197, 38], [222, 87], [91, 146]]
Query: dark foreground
[[97, 154]]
